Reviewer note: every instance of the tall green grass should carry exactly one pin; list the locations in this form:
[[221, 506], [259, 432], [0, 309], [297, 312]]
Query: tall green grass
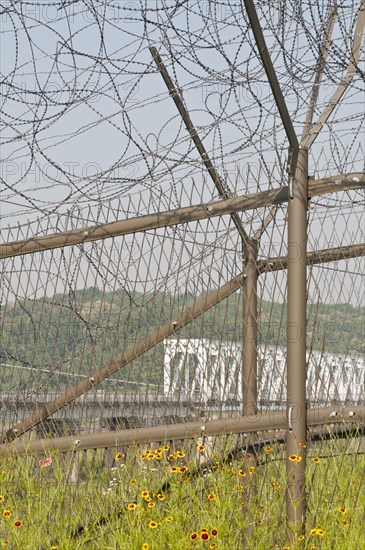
[[149, 501]]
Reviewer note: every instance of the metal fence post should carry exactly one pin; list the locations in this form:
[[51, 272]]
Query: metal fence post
[[249, 367], [296, 348], [249, 344]]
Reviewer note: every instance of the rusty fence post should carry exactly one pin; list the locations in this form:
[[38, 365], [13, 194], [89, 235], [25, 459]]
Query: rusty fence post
[[296, 349]]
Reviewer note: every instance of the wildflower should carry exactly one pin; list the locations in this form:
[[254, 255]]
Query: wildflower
[[132, 481], [212, 497], [251, 470], [295, 458], [303, 445], [7, 514], [320, 532], [158, 456], [17, 523], [213, 545], [183, 469], [160, 496], [312, 548], [242, 473], [132, 506], [2, 498], [214, 532], [152, 524], [267, 449], [174, 469], [193, 536], [259, 522], [169, 518], [170, 457], [201, 448], [166, 448], [119, 456], [54, 547], [180, 454], [145, 494], [301, 537], [346, 522], [151, 505], [342, 510], [143, 457], [315, 460], [45, 462], [313, 531], [204, 536], [145, 546], [249, 456]]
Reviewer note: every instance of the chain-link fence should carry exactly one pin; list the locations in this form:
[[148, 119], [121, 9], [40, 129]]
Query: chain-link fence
[[183, 307]]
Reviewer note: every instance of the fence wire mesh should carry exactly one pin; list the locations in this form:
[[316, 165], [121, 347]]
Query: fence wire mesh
[[144, 372]]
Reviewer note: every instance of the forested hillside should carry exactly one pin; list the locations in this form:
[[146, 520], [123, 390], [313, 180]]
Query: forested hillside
[[78, 333]]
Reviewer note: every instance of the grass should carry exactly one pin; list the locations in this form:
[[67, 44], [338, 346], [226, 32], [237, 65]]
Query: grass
[[138, 509]]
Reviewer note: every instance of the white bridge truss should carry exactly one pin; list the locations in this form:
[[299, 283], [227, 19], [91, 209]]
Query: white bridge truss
[[203, 370]]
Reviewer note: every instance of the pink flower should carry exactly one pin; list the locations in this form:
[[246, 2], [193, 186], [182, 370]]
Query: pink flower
[[47, 461]]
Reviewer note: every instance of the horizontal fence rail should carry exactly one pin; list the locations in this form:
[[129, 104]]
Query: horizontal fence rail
[[273, 420]]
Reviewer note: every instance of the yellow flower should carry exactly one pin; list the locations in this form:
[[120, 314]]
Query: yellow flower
[[251, 470], [2, 498], [303, 445], [267, 449], [180, 454], [166, 447], [169, 518], [132, 481], [315, 460], [145, 494], [160, 496], [145, 546], [7, 514], [201, 448], [119, 456], [242, 473], [212, 497], [151, 505], [152, 524], [132, 506], [301, 537], [174, 469], [342, 510], [295, 458]]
